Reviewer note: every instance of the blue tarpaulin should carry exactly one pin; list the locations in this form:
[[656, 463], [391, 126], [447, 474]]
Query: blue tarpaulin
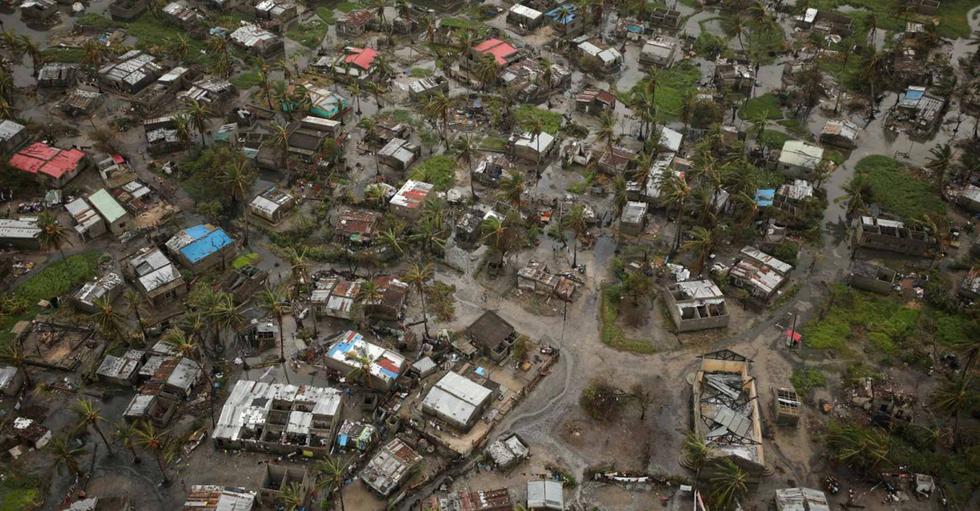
[[765, 196]]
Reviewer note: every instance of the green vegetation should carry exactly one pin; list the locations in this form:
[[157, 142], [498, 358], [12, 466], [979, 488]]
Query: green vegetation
[[310, 34], [527, 114], [51, 281], [495, 144], [19, 494], [464, 24], [612, 334], [63, 54], [858, 321], [774, 139], [246, 80], [245, 260], [806, 379], [438, 170], [766, 104], [156, 32], [326, 14], [672, 86], [580, 187], [897, 190], [708, 44], [421, 72], [952, 14], [90, 21], [349, 6], [764, 41]]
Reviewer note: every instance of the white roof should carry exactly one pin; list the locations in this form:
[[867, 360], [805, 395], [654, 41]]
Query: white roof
[[525, 11], [797, 153], [541, 143], [456, 398], [412, 194], [768, 260], [671, 139], [545, 494], [249, 403]]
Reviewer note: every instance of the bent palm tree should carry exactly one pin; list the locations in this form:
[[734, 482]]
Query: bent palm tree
[[418, 275], [89, 415], [53, 235]]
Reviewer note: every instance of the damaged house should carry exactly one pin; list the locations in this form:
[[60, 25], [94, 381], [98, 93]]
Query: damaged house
[[537, 278], [257, 40], [593, 53], [357, 226], [390, 467], [107, 287], [726, 411], [408, 202], [661, 51], [873, 277], [22, 234], [51, 166], [696, 305], [759, 273], [917, 111], [492, 335], [279, 418], [878, 233], [399, 153], [356, 63], [272, 205], [381, 367], [490, 170], [840, 133], [155, 276], [131, 72], [530, 81], [88, 223], [595, 101], [356, 22]]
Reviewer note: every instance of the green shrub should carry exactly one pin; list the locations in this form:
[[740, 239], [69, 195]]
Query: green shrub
[[897, 190], [439, 171]]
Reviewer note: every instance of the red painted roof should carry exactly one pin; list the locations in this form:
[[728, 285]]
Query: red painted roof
[[40, 157], [499, 49], [361, 57]]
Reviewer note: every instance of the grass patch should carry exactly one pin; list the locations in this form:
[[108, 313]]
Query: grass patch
[[672, 85], [246, 80], [63, 54], [579, 187], [611, 333], [310, 34], [326, 14], [53, 280], [421, 72], [897, 190], [773, 139], [766, 104], [348, 6], [19, 494], [764, 41], [439, 170], [476, 27], [90, 21], [154, 32], [550, 121], [884, 324], [807, 379], [952, 14], [245, 260], [494, 144]]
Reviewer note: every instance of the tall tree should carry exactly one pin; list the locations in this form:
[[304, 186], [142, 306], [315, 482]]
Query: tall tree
[[158, 443], [419, 275], [274, 301], [576, 222], [939, 163], [134, 302], [729, 484], [952, 398], [512, 189], [90, 416], [191, 350], [126, 433], [198, 113], [108, 321], [66, 454], [53, 235], [330, 473], [702, 242]]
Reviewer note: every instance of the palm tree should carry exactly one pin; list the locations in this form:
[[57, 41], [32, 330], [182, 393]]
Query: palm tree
[[512, 189], [861, 448], [273, 301], [179, 46], [575, 221], [134, 301], [108, 321], [939, 163], [198, 113], [93, 54], [292, 497], [392, 239], [729, 484], [697, 454], [89, 415], [437, 107], [53, 234], [952, 397], [182, 125], [534, 126], [32, 50], [126, 433], [486, 70], [280, 138], [857, 193], [156, 442], [702, 242], [263, 71], [418, 275], [65, 454], [620, 193], [735, 26], [675, 192], [330, 475], [224, 314], [355, 91], [607, 129], [191, 350]]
